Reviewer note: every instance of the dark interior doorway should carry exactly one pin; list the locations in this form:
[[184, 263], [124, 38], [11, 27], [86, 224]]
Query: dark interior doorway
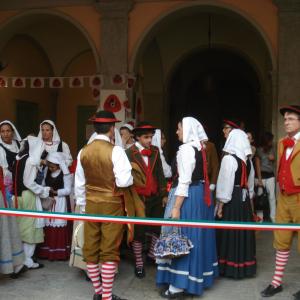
[[211, 85]]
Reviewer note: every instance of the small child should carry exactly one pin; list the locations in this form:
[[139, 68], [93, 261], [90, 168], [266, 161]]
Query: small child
[[57, 234]]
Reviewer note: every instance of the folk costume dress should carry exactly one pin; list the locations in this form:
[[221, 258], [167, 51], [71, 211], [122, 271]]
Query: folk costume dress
[[235, 185], [27, 197], [100, 167], [150, 163], [57, 236], [11, 248], [57, 145], [196, 271]]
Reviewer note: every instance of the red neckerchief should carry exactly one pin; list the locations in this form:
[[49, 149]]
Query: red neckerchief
[[207, 198], [146, 152], [288, 143]]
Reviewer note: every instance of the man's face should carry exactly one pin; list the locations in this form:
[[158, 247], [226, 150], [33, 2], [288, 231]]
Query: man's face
[[145, 140], [291, 123], [6, 133], [226, 130]]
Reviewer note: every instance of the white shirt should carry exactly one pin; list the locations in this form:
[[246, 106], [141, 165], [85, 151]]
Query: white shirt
[[140, 147], [13, 147], [121, 168], [186, 163], [290, 149], [225, 182]]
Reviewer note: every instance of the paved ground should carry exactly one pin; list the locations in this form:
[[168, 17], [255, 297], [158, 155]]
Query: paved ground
[[57, 281]]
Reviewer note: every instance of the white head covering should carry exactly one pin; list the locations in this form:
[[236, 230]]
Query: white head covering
[[128, 126], [118, 139], [193, 131], [92, 137], [156, 139], [59, 159], [36, 148], [238, 143], [56, 137], [16, 136]]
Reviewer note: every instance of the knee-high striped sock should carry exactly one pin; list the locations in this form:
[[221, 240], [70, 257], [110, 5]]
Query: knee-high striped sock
[[281, 261], [137, 250], [151, 250], [94, 274], [108, 274]]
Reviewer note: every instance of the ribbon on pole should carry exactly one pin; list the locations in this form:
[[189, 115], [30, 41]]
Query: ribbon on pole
[[150, 221]]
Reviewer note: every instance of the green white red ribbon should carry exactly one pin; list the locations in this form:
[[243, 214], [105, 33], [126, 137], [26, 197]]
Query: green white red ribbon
[[150, 221]]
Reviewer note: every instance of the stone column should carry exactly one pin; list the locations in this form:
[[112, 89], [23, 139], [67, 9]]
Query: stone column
[[114, 37], [289, 54]]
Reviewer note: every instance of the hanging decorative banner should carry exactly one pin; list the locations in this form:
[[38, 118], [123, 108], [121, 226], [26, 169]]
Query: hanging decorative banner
[[3, 82], [56, 82], [18, 82], [96, 81], [76, 82], [112, 100], [37, 82], [118, 79], [131, 79]]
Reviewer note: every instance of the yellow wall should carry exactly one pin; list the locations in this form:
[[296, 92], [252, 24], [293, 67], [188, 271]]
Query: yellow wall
[[25, 59], [70, 98]]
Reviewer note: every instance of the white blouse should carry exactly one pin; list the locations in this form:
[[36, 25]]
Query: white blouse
[[225, 182], [121, 168]]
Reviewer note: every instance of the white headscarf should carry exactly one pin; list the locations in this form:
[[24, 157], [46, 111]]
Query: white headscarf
[[193, 131], [36, 148], [56, 137], [128, 126], [156, 139], [59, 159], [118, 139], [16, 136], [238, 143]]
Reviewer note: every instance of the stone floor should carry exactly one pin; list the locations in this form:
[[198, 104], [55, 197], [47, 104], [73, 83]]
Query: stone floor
[[57, 281]]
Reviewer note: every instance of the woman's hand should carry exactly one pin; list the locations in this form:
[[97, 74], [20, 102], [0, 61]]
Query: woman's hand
[[175, 213]]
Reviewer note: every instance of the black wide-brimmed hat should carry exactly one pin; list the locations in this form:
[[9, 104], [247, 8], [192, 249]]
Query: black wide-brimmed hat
[[143, 127], [290, 108], [104, 116], [232, 123]]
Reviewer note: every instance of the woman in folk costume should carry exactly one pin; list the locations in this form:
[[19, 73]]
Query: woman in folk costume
[[9, 147], [126, 135], [190, 199], [157, 141], [11, 248], [235, 188], [57, 237], [52, 142], [27, 196]]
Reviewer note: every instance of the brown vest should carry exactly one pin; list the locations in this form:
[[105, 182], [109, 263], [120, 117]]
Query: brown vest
[[96, 161]]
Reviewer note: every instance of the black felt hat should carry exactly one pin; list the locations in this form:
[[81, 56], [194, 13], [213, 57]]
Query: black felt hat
[[290, 108], [104, 116], [143, 127]]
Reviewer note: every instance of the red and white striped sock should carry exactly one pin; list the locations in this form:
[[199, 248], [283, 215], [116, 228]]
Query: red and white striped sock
[[151, 250], [281, 261], [137, 250], [94, 274], [108, 274]]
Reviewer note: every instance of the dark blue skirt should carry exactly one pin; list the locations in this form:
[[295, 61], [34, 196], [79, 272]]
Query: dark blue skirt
[[196, 271]]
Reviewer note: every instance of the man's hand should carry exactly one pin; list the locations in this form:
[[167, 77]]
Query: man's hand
[[220, 210], [82, 209], [164, 201]]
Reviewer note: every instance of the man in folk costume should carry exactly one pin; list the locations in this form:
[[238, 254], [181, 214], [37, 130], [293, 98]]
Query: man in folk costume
[[154, 193], [288, 201], [100, 167]]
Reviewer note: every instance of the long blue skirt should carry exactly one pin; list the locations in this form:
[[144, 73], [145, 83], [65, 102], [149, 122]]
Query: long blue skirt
[[196, 271]]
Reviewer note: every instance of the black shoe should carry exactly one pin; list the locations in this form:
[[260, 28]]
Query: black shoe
[[271, 291], [168, 295], [150, 260], [115, 297], [97, 297], [16, 275], [297, 296], [140, 272]]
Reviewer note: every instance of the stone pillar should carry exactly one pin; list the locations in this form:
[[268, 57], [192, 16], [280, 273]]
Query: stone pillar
[[289, 54], [114, 37]]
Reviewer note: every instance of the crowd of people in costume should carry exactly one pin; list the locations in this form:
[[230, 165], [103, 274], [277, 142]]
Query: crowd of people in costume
[[124, 172]]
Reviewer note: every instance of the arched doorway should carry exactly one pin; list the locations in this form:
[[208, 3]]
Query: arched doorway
[[210, 52], [213, 84]]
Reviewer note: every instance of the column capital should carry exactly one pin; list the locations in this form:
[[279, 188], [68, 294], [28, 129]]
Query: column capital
[[288, 5], [113, 9]]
